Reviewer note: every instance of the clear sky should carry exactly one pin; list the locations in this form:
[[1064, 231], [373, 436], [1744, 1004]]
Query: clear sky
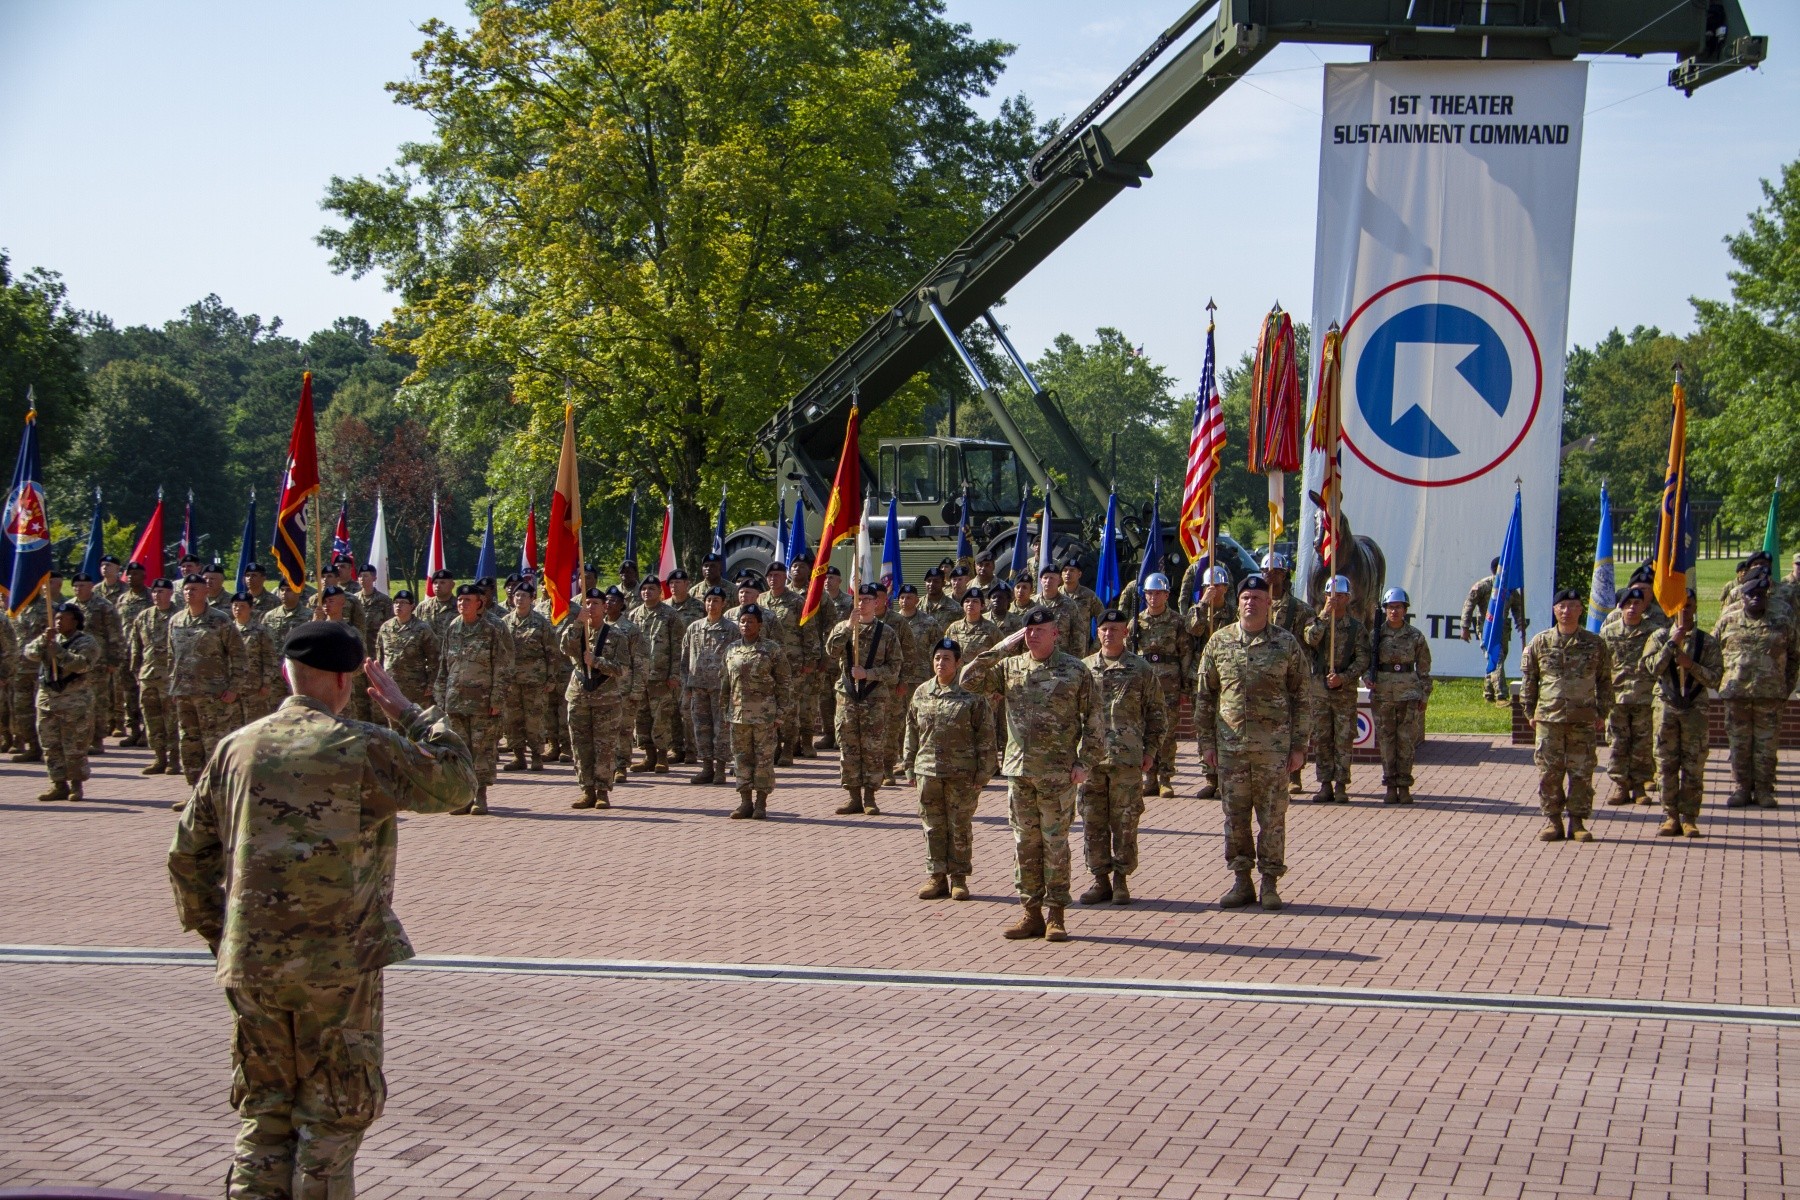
[[153, 153]]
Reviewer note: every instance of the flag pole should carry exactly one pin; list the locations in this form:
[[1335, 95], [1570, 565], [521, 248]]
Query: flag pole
[[1334, 417], [1212, 494]]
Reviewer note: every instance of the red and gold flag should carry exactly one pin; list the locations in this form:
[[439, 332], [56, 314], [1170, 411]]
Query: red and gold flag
[[843, 513]]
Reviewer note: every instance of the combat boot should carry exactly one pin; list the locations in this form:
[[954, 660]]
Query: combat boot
[[517, 763], [935, 888], [959, 887], [1054, 930], [1121, 892], [803, 747], [1030, 925], [1553, 832], [719, 771], [1147, 786], [31, 753], [1101, 892], [1766, 800], [159, 767], [760, 807], [600, 797], [746, 808], [58, 790], [1671, 827], [1208, 791], [480, 807], [99, 747], [537, 759], [1739, 798], [1620, 795], [1271, 899], [1166, 790], [869, 807], [587, 798], [1641, 794], [1405, 794], [1323, 795], [852, 806], [464, 811], [783, 756], [1295, 787], [1242, 892], [1579, 832], [192, 777], [1690, 829], [638, 768], [828, 740], [178, 805], [1340, 792], [659, 762], [1392, 796], [75, 792], [704, 776]]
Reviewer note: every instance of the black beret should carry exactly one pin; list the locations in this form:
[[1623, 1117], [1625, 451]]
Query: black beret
[[960, 573], [187, 558], [629, 562], [615, 592], [1049, 569], [334, 590], [241, 598], [467, 589], [56, 573], [907, 589], [74, 610], [986, 556], [593, 593], [1632, 593], [934, 572], [135, 566], [485, 583], [709, 556], [324, 646], [1040, 616], [1072, 564], [1647, 573], [192, 580], [512, 579], [524, 588], [107, 558], [832, 571], [1759, 556], [1563, 594], [649, 581], [404, 594], [365, 569], [165, 584], [715, 590], [677, 573], [82, 577], [869, 589], [950, 644], [215, 567], [1255, 583], [750, 610], [589, 569], [1756, 583], [946, 561], [974, 593], [441, 573], [1113, 616], [805, 556], [778, 565], [256, 568], [749, 579]]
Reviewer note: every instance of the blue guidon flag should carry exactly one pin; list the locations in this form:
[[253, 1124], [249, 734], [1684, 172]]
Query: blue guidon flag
[[25, 555]]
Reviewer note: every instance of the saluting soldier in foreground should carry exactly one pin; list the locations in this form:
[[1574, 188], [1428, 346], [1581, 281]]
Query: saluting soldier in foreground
[[284, 864], [1054, 736], [949, 756], [1566, 691], [756, 677], [1112, 799], [1400, 667], [1338, 647], [1250, 714], [65, 660], [1684, 662]]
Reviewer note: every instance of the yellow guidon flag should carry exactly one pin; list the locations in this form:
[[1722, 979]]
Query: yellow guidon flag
[[1675, 532]]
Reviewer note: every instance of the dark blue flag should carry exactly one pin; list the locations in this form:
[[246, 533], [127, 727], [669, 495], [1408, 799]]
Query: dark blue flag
[[247, 544], [718, 545], [25, 557], [1106, 574], [90, 562], [631, 529], [1021, 551], [1508, 579], [796, 539], [484, 565], [1153, 546]]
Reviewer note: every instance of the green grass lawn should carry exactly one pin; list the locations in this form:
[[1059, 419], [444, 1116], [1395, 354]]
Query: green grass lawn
[[1457, 707]]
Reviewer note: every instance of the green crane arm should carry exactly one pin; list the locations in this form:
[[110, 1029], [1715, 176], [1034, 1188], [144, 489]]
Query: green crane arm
[[1108, 148]]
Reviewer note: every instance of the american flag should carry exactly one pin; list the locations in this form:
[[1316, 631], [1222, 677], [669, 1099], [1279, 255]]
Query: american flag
[[1204, 449]]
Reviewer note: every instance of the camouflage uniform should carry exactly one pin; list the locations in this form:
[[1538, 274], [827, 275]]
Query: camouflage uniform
[[1334, 712], [11, 664], [1401, 668], [803, 645], [1202, 621], [1054, 723], [28, 624], [410, 652], [437, 613], [949, 755], [595, 701], [263, 685], [863, 706], [635, 648], [1088, 608], [103, 626], [690, 610], [1112, 799], [1250, 708], [263, 603], [148, 642], [1071, 624], [130, 602], [1760, 664], [206, 660], [1566, 686], [284, 863], [474, 664], [1680, 710], [1162, 641], [281, 621], [1294, 615], [378, 610], [832, 609], [702, 664], [925, 629], [755, 676], [65, 703], [534, 673], [975, 638], [1474, 618], [1628, 725], [656, 709]]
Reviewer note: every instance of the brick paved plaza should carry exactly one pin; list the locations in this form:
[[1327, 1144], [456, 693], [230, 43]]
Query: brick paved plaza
[[1395, 1032]]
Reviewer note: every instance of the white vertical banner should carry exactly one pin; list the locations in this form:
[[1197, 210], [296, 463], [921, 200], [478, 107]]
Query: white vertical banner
[[1446, 226]]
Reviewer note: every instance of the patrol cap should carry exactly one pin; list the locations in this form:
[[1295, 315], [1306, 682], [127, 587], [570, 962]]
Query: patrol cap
[[750, 610], [188, 580], [1214, 575], [1567, 594], [404, 594], [1156, 581], [593, 593], [1338, 586], [467, 589], [241, 598], [950, 644], [677, 573], [1395, 596], [82, 577], [869, 589], [1274, 560], [441, 573], [1040, 616], [715, 590], [73, 609], [324, 646], [334, 590], [107, 558], [1114, 616], [1632, 593], [1255, 583], [167, 585], [907, 589]]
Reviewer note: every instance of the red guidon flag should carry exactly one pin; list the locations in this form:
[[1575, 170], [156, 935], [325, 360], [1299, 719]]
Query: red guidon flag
[[149, 549], [665, 558], [562, 546], [843, 513], [298, 483], [528, 558]]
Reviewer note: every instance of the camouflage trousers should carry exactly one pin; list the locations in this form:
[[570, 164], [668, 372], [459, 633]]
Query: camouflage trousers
[[202, 720], [1254, 783], [24, 705], [1040, 812], [1494, 686], [1752, 726], [1333, 732], [254, 707], [753, 755], [527, 711], [65, 729], [161, 730], [895, 730], [360, 708], [1681, 759], [593, 725], [1633, 737], [711, 740], [1111, 802], [481, 733], [947, 813], [1163, 770], [655, 724], [827, 701], [863, 740], [125, 700], [559, 719], [100, 689], [306, 1082], [1565, 750], [1399, 728]]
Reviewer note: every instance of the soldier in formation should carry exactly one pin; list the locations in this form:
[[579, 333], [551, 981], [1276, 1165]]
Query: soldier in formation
[[1759, 660], [101, 622], [66, 662], [654, 721], [475, 661], [1338, 648], [925, 627], [1294, 615], [1133, 718], [533, 681], [206, 676], [1159, 636], [1214, 610], [1565, 690], [867, 657], [949, 756], [262, 662], [131, 598], [408, 648], [1474, 627], [1684, 663], [755, 679], [596, 697], [702, 667], [1400, 688], [1629, 726]]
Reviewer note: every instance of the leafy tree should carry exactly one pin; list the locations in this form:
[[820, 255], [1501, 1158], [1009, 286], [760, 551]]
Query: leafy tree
[[671, 214], [40, 351], [1751, 355]]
